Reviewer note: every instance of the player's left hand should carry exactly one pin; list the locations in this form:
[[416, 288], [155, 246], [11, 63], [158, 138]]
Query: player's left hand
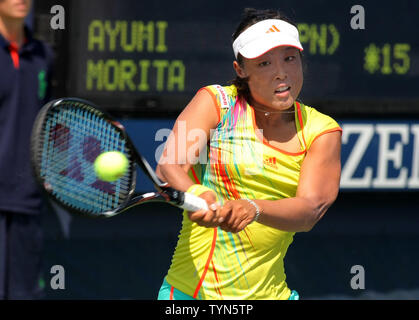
[[236, 215], [206, 218]]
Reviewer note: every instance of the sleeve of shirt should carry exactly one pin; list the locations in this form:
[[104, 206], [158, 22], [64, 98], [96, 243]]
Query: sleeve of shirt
[[319, 124], [223, 97]]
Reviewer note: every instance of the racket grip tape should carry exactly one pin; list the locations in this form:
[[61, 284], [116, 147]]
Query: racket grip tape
[[193, 203]]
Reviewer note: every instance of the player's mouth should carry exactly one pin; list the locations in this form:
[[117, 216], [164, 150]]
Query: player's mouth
[[21, 6], [282, 91]]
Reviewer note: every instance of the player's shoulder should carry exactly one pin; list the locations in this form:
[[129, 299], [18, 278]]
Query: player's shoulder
[[224, 96], [315, 118], [315, 122]]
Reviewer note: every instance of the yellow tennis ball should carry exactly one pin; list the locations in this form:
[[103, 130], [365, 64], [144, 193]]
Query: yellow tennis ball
[[110, 166]]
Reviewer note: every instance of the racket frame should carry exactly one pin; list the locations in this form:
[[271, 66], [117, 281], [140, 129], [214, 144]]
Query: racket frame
[[164, 192]]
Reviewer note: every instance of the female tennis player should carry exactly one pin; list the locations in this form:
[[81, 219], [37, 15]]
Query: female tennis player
[[272, 169]]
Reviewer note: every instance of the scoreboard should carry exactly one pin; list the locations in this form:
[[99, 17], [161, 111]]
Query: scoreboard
[[150, 57]]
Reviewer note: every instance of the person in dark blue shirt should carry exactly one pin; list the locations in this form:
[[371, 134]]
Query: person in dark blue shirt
[[25, 68]]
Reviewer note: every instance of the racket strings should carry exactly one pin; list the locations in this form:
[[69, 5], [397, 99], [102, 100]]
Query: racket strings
[[106, 196], [73, 138]]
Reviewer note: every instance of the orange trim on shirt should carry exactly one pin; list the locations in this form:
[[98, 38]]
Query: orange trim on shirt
[[300, 120], [227, 182], [217, 107], [172, 289], [248, 238], [198, 287], [265, 142], [216, 278], [328, 131], [195, 176]]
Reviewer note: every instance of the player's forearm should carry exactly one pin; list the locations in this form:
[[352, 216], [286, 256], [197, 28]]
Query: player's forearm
[[176, 175], [292, 214]]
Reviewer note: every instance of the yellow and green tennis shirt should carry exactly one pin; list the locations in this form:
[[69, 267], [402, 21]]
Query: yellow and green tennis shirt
[[210, 263]]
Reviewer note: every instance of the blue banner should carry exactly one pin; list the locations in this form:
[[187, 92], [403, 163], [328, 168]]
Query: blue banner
[[380, 155], [376, 155]]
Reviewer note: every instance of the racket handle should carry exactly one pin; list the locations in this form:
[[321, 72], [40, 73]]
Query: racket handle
[[193, 203]]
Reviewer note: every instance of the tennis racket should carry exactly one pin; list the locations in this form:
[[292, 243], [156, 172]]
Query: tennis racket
[[67, 137]]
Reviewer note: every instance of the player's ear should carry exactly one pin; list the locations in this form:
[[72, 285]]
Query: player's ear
[[240, 71]]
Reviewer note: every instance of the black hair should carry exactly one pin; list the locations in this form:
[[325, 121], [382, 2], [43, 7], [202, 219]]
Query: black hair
[[250, 17]]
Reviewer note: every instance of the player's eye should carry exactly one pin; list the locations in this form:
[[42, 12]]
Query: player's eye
[[290, 58], [264, 64]]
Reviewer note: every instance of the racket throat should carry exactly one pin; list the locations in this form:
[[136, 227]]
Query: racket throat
[[187, 201], [173, 196]]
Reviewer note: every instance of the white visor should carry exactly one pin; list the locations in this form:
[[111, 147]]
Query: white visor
[[264, 36]]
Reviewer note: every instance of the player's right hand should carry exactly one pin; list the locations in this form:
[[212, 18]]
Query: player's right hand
[[207, 218]]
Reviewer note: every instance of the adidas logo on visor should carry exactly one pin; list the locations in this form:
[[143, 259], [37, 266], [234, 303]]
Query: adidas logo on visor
[[273, 29], [264, 36]]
